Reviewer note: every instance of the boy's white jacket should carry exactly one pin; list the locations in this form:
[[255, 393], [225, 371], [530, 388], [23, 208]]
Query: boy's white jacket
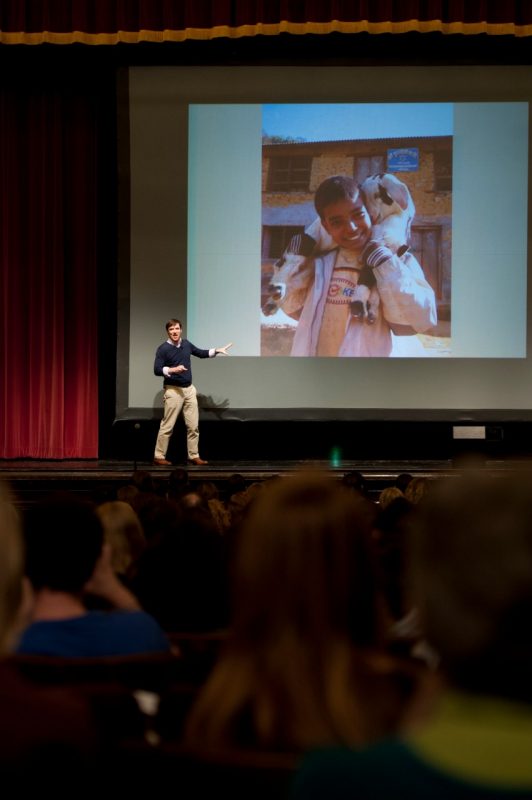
[[407, 300]]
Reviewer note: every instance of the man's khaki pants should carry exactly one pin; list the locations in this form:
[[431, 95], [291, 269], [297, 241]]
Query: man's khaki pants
[[177, 398]]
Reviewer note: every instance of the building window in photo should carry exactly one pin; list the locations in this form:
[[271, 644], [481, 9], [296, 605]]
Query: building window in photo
[[289, 173]]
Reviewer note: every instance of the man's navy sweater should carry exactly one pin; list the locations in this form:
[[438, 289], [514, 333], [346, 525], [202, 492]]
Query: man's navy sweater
[[170, 355]]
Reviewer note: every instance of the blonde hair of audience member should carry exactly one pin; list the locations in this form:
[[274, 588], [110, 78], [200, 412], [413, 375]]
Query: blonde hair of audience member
[[388, 495], [123, 532], [416, 490], [11, 570], [305, 610], [472, 577]]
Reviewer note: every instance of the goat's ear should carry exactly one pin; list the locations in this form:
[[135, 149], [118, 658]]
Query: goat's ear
[[301, 245], [370, 205], [396, 190], [308, 244]]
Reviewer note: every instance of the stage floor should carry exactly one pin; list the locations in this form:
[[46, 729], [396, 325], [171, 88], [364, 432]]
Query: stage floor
[[31, 479], [121, 470]]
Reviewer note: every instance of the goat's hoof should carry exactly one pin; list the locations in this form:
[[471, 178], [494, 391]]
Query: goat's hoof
[[357, 310]]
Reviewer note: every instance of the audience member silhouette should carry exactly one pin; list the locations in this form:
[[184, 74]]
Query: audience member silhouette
[[178, 483], [390, 538], [416, 489], [402, 480], [46, 735], [355, 480], [303, 663], [234, 483], [65, 556], [182, 577], [472, 577], [123, 533], [388, 495]]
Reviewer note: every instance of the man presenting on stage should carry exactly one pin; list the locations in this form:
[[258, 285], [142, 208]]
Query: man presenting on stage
[[172, 363]]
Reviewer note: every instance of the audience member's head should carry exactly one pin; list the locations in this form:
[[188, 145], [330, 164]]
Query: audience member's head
[[388, 495], [309, 539], [193, 500], [390, 538], [402, 480], [355, 480], [64, 540], [143, 480], [182, 577], [11, 568], [234, 483], [472, 574], [158, 517], [123, 532], [127, 494], [469, 735], [305, 600], [208, 490], [416, 490], [178, 483]]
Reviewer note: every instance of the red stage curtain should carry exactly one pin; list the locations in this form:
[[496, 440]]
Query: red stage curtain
[[48, 350], [105, 22]]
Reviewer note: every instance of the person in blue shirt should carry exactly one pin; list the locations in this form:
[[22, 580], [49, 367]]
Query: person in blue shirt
[[66, 558], [172, 363]]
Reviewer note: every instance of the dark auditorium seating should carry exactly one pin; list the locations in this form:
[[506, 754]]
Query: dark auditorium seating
[[236, 774]]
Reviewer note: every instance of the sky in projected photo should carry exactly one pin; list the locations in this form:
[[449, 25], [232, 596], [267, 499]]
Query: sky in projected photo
[[336, 121]]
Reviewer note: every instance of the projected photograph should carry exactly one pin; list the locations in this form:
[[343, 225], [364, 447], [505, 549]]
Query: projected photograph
[[356, 230]]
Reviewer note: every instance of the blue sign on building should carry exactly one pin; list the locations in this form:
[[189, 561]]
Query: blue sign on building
[[403, 159]]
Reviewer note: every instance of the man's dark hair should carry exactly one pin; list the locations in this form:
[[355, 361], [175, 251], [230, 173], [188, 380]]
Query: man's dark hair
[[331, 190], [173, 322], [64, 540]]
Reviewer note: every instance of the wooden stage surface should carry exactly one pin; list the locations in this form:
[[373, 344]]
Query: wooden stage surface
[[31, 478]]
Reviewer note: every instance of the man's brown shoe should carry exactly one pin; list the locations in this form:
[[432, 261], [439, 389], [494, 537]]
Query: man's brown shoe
[[199, 462], [162, 462]]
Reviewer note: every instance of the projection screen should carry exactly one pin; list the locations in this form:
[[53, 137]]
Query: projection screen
[[211, 207]]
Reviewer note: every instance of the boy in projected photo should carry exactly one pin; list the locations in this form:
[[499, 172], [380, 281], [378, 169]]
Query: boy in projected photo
[[327, 326]]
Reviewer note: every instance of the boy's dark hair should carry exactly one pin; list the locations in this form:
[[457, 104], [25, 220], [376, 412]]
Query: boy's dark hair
[[331, 190], [64, 540], [173, 322]]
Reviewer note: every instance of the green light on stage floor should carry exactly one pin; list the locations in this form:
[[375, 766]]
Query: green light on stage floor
[[336, 457]]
